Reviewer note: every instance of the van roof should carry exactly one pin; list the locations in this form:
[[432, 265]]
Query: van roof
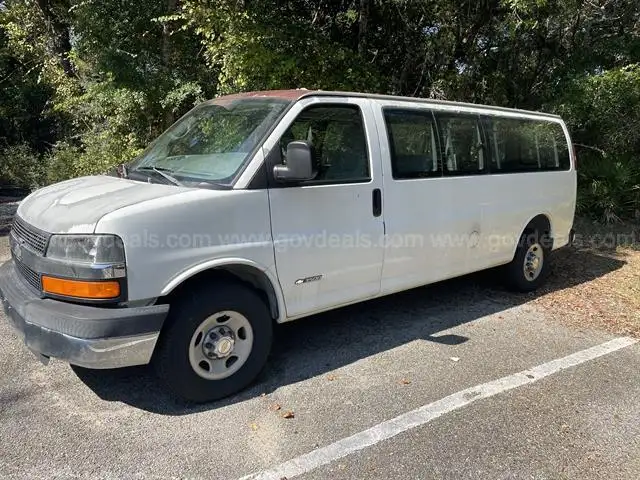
[[296, 94]]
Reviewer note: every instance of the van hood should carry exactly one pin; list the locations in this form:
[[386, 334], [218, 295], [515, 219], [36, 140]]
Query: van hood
[[76, 206]]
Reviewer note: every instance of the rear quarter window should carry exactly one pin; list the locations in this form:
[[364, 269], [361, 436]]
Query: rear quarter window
[[524, 145]]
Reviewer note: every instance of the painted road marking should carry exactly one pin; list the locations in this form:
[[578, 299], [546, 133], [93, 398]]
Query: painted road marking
[[422, 415]]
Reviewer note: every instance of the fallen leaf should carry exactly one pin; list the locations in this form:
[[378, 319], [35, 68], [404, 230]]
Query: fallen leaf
[[405, 381], [254, 427], [288, 414], [454, 359], [275, 407], [331, 378]]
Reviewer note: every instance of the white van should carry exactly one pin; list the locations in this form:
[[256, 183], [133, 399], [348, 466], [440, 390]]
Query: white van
[[271, 206]]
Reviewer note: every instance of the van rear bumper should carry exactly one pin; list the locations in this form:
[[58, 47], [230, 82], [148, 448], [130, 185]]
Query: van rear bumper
[[88, 336]]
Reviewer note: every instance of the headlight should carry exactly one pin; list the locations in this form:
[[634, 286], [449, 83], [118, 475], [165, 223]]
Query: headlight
[[93, 249]]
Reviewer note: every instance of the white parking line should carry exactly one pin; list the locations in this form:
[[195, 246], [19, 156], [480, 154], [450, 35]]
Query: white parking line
[[422, 415]]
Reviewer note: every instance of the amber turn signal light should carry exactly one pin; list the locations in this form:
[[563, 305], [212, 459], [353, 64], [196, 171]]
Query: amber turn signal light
[[80, 289]]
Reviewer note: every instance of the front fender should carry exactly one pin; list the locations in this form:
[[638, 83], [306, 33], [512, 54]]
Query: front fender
[[229, 264]]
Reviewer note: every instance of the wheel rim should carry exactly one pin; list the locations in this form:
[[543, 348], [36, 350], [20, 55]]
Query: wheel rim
[[533, 262], [220, 345]]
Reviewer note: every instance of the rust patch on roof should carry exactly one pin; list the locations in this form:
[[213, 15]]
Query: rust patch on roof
[[292, 94]]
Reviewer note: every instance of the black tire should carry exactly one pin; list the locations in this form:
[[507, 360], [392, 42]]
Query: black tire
[[514, 272], [171, 357]]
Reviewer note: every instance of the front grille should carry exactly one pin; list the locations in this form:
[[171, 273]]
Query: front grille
[[34, 238], [29, 275]]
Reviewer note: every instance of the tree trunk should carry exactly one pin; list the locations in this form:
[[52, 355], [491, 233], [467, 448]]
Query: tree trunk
[[59, 29], [362, 26], [169, 117]]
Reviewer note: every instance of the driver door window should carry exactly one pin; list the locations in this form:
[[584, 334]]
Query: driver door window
[[338, 142]]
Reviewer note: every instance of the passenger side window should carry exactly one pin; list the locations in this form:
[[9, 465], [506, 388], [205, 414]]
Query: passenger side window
[[412, 143], [337, 137], [547, 148], [516, 146], [527, 145], [461, 144], [552, 146]]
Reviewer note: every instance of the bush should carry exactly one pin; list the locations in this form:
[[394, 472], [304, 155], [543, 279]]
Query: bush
[[608, 189], [61, 163], [21, 167], [99, 154], [603, 114]]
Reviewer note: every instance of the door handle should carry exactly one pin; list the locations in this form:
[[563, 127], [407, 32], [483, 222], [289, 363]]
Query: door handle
[[377, 202]]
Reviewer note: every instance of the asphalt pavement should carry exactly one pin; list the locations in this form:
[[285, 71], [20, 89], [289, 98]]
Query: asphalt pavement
[[338, 374]]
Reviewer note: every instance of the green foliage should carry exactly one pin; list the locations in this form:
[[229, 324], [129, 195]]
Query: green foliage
[[603, 111], [21, 167], [25, 118], [261, 46], [608, 189], [85, 85], [98, 100], [62, 163]]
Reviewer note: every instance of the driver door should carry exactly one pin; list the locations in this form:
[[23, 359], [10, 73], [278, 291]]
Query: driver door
[[328, 232]]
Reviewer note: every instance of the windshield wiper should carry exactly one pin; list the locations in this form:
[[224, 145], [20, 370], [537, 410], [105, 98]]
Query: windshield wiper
[[162, 172], [213, 185]]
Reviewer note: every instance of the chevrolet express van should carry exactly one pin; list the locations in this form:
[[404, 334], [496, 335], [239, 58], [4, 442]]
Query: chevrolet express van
[[266, 207]]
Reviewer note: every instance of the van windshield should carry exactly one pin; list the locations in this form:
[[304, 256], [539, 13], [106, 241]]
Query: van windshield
[[211, 143]]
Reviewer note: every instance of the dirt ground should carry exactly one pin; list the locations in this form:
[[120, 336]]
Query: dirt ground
[[596, 282]]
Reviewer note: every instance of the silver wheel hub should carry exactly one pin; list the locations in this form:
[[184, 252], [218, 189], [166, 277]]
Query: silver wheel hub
[[220, 345], [219, 342], [533, 262]]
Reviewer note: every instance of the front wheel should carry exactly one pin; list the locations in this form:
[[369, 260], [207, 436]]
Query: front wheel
[[530, 264], [216, 340]]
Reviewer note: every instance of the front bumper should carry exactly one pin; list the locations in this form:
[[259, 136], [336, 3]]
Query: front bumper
[[88, 336]]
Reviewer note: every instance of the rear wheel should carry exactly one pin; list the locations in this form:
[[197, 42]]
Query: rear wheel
[[530, 265], [215, 342]]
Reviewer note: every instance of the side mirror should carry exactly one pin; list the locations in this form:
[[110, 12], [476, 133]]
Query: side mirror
[[299, 165]]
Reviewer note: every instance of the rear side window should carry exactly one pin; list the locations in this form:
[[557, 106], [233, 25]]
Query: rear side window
[[337, 136], [461, 144], [413, 143], [519, 145], [552, 146]]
